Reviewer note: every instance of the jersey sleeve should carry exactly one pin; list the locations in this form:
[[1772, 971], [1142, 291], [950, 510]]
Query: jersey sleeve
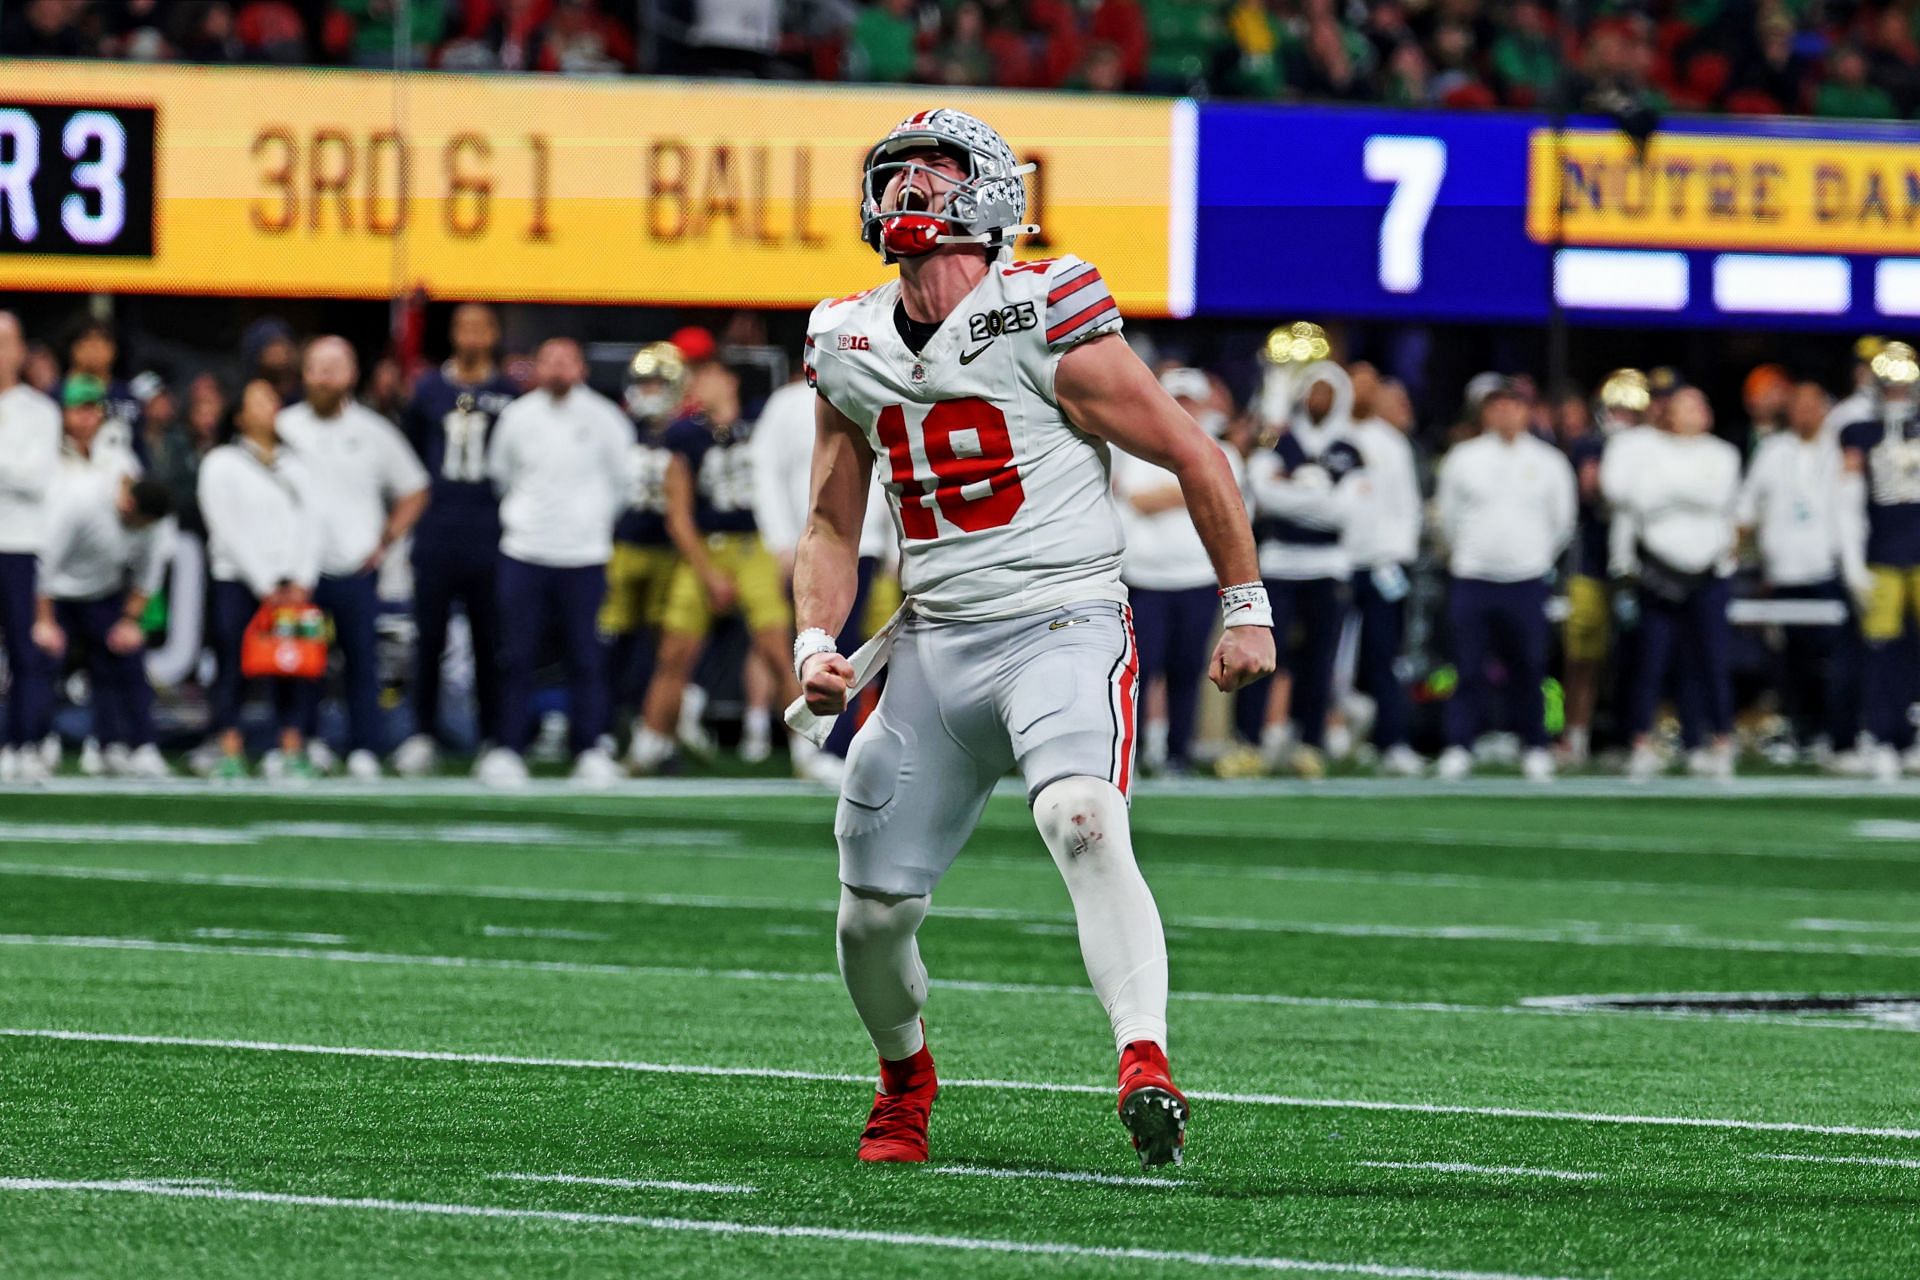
[[1079, 305]]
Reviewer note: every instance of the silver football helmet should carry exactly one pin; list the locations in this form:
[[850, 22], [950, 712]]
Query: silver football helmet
[[656, 382], [987, 206]]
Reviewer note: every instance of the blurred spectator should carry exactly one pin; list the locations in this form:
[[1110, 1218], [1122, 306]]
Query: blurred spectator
[[1787, 506], [733, 37], [1186, 40], [1382, 541], [1847, 92], [883, 42], [104, 550], [963, 57], [1102, 70], [1526, 66], [377, 43], [1170, 580], [1764, 394], [1681, 498], [1122, 24], [1505, 509], [272, 31], [203, 32], [1772, 76], [42, 368], [267, 351], [180, 451], [29, 456], [1257, 69], [581, 40], [92, 351], [159, 411], [46, 29], [1587, 636], [370, 490], [261, 508], [559, 457]]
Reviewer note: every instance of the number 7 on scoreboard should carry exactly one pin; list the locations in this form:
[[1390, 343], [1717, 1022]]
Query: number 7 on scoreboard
[[1415, 167]]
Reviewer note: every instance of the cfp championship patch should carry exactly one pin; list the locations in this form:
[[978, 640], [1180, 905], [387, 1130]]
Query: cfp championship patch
[[984, 326]]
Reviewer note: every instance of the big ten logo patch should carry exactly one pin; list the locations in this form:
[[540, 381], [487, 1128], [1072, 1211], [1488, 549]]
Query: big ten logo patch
[[853, 342], [991, 324]]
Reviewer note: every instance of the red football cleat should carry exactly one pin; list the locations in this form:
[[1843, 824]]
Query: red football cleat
[[1154, 1111], [896, 1131]]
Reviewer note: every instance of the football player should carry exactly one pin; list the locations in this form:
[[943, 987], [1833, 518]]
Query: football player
[[456, 544], [643, 555], [988, 392], [1880, 545], [723, 567], [92, 351]]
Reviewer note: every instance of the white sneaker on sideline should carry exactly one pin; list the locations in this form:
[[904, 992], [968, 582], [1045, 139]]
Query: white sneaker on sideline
[[814, 764], [690, 729], [648, 750], [501, 768], [1886, 764], [756, 739], [1645, 764], [93, 761], [1276, 744], [1711, 762], [363, 765], [30, 767], [118, 760], [1537, 765], [147, 762], [1340, 741], [416, 757], [1455, 765], [9, 765], [595, 768], [50, 753], [1911, 761], [1403, 762], [321, 757], [273, 765]]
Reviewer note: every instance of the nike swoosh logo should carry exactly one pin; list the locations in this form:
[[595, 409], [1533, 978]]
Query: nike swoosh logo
[[1066, 622], [968, 357]]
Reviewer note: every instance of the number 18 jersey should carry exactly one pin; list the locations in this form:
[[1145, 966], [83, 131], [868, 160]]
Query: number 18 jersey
[[1003, 506]]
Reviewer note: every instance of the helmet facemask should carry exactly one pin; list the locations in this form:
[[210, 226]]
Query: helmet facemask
[[985, 205]]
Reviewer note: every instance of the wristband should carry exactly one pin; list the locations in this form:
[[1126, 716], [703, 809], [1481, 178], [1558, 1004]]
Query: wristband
[[1246, 605], [809, 642]]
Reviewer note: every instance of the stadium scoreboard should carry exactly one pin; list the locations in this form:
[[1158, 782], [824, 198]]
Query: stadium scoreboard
[[645, 191]]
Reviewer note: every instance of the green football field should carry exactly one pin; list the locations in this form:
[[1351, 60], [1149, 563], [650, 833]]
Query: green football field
[[433, 1032]]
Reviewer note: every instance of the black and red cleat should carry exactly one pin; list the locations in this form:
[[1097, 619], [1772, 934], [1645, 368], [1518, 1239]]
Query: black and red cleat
[[896, 1131], [1154, 1111]]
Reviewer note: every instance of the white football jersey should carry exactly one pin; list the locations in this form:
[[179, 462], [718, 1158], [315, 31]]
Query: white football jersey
[[1003, 506]]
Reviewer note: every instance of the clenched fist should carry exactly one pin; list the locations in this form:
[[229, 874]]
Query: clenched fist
[[1245, 654], [825, 679]]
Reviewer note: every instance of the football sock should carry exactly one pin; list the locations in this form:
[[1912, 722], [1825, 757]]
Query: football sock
[[1084, 822], [880, 963]]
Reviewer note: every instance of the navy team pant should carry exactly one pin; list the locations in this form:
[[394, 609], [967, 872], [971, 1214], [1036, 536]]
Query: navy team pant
[[1382, 623], [1692, 639], [353, 602], [122, 698], [1172, 629], [532, 597], [1508, 621], [1316, 605], [851, 637], [445, 573], [1811, 681], [233, 607], [30, 695]]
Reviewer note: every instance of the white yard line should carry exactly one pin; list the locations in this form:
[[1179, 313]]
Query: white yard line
[[841, 1235], [630, 1184], [558, 935], [273, 935], [697, 1070], [1058, 1175], [1485, 1170], [1817, 925], [1878, 1162], [1540, 1006], [1229, 924], [543, 835], [1886, 829]]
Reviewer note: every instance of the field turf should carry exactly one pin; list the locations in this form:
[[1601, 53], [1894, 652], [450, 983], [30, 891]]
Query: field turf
[[439, 1033]]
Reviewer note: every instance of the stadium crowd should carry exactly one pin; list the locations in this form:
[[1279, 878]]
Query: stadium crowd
[[1416, 577], [1839, 58]]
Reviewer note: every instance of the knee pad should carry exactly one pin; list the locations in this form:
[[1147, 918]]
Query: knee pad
[[868, 918], [1081, 817]]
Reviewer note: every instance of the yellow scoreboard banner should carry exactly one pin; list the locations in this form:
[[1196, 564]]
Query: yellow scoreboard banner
[[1708, 191], [366, 184]]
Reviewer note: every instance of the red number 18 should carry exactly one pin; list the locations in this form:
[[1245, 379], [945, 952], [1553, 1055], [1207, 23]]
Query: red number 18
[[992, 464]]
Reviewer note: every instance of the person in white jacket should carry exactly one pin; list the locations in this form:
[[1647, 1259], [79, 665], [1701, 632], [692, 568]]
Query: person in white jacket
[[1304, 489], [1505, 509], [104, 551], [263, 547], [1789, 506], [29, 454], [561, 457], [782, 450], [1680, 498], [1382, 540]]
